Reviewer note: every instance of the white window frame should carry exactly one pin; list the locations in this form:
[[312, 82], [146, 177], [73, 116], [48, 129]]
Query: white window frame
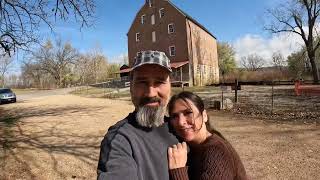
[[150, 3], [154, 38], [173, 30], [143, 18], [138, 37], [161, 10], [170, 52], [153, 19]]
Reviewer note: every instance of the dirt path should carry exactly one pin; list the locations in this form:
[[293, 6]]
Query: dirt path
[[58, 137], [26, 96], [273, 150]]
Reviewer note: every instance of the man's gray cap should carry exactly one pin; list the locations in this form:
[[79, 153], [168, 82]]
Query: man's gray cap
[[152, 57]]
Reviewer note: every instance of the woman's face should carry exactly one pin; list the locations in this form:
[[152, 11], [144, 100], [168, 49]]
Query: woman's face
[[188, 122]]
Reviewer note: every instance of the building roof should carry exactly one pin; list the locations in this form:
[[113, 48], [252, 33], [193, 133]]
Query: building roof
[[178, 64], [125, 70], [191, 19], [124, 67]]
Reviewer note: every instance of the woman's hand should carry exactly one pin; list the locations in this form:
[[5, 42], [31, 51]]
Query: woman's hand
[[177, 155]]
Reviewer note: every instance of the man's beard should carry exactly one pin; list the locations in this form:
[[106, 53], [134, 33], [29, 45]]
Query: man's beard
[[150, 116]]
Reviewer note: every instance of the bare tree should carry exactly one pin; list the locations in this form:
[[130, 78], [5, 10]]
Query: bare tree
[[98, 66], [278, 60], [5, 62], [92, 68], [20, 19], [56, 60], [13, 80], [299, 17], [252, 62], [32, 74], [81, 69]]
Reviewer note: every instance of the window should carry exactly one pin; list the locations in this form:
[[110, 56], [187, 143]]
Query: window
[[172, 50], [143, 19], [154, 36], [161, 12], [152, 19], [137, 37], [150, 3], [170, 28]]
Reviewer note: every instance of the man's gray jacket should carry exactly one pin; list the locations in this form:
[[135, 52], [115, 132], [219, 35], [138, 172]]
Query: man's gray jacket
[[131, 152]]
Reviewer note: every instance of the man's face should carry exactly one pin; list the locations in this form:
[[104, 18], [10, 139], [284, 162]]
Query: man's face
[[150, 92], [150, 86]]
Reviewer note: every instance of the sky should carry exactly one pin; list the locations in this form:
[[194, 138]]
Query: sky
[[240, 23]]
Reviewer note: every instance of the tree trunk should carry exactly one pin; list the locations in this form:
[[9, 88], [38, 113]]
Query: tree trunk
[[315, 72]]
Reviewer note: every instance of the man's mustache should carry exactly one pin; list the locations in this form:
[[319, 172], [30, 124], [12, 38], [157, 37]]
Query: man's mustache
[[147, 100]]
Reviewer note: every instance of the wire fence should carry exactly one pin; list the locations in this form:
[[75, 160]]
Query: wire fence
[[274, 100], [267, 98]]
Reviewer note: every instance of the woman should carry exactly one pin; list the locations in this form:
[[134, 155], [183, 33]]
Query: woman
[[211, 156]]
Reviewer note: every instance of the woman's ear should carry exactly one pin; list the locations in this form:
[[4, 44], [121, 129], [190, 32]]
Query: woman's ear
[[205, 116]]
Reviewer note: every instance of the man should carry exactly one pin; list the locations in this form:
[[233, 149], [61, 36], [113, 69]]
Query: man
[[136, 147]]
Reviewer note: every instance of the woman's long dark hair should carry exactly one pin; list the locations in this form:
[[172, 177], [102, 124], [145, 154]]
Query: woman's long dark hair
[[198, 103]]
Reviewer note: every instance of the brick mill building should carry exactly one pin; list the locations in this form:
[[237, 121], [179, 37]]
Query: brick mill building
[[192, 49]]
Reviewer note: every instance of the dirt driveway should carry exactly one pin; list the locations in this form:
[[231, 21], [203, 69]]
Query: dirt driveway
[[58, 137]]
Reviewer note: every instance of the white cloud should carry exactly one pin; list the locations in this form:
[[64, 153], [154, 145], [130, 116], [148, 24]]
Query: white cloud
[[264, 47]]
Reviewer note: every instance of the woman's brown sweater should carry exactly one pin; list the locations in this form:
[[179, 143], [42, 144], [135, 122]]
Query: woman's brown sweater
[[214, 159]]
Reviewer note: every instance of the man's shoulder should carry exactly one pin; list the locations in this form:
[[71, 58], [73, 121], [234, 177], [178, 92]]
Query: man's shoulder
[[129, 129], [122, 124]]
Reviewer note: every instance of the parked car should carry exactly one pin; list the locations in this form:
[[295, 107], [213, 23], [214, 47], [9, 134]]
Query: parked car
[[6, 95]]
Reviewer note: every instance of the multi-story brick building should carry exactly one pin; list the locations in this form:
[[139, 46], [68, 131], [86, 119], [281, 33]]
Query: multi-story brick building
[[192, 49]]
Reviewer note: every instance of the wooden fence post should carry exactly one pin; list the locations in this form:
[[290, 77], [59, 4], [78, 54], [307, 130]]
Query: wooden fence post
[[236, 91], [272, 97], [104, 90]]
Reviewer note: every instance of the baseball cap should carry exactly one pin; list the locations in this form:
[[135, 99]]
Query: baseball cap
[[152, 57]]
